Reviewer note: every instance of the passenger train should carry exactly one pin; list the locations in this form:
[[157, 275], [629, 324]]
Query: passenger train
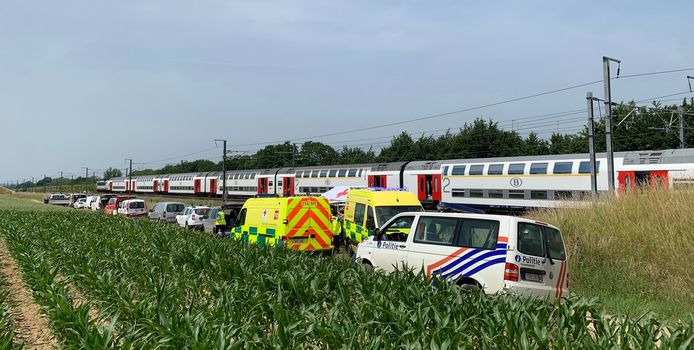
[[484, 183]]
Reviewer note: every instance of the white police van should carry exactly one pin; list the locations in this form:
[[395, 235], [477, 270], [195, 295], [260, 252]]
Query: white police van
[[492, 252]]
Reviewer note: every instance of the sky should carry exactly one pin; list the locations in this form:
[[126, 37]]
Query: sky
[[91, 83]]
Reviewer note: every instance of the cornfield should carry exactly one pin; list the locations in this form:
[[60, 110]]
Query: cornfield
[[6, 329], [156, 286]]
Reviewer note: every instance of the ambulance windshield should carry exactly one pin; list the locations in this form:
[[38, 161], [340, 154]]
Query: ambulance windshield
[[385, 213]]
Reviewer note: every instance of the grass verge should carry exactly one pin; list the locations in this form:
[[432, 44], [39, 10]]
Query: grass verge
[[634, 253]]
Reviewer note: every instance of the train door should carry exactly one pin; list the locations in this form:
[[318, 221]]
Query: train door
[[166, 186], [196, 186], [626, 181], [263, 185], [659, 180], [429, 187], [127, 186], [629, 181], [110, 186], [155, 186], [132, 185], [378, 181], [288, 186], [213, 186]]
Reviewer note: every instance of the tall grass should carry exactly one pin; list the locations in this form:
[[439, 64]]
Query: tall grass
[[636, 252]]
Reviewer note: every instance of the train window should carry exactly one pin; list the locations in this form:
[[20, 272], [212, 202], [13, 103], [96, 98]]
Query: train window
[[359, 173], [538, 168], [342, 173], [477, 193], [563, 195], [352, 173], [496, 193], [538, 194], [562, 167], [314, 190], [314, 173], [444, 172], [458, 170], [323, 173], [253, 176], [458, 192], [476, 169], [495, 169], [298, 174], [584, 167], [332, 173], [323, 190], [269, 184], [516, 169], [516, 194]]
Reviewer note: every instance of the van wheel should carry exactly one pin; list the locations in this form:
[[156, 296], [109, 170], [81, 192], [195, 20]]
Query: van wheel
[[469, 286], [367, 265]]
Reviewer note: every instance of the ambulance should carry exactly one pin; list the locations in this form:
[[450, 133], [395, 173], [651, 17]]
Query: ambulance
[[477, 251], [368, 209], [300, 223]]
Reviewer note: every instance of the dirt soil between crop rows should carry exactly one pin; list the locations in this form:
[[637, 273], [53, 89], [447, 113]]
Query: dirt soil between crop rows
[[30, 324]]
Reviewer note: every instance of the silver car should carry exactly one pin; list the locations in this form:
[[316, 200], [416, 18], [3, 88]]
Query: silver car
[[166, 211]]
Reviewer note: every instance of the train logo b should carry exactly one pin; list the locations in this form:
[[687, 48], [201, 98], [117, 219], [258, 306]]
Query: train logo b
[[516, 182]]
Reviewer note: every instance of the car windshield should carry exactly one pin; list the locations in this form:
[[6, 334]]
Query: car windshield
[[385, 213]]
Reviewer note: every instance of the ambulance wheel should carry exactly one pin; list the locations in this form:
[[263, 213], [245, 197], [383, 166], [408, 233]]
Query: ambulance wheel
[[350, 250], [367, 265]]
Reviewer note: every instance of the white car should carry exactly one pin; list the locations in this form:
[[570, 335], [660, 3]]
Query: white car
[[192, 217], [490, 252], [80, 203], [133, 208]]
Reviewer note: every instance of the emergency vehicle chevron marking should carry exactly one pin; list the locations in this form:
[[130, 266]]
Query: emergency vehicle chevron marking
[[560, 281]]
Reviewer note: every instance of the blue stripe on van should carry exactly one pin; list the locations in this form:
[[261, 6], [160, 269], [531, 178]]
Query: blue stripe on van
[[487, 264]]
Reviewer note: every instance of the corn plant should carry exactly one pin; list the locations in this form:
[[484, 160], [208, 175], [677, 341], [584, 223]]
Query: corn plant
[[6, 326], [164, 287]]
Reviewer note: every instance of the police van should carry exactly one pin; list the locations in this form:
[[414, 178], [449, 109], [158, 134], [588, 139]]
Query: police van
[[491, 252], [368, 209], [301, 223]]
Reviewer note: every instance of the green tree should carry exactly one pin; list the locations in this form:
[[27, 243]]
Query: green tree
[[111, 173], [317, 153]]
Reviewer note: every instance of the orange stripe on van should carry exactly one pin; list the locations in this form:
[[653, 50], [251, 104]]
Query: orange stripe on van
[[502, 239], [445, 260], [560, 280]]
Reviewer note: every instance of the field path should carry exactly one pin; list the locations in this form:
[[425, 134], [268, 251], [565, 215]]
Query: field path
[[31, 325]]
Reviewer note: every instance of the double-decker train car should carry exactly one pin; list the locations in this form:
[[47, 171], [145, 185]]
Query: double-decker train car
[[506, 183]]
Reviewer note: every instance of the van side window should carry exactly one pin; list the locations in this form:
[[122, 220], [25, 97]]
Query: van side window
[[555, 243], [480, 234], [359, 210], [435, 230], [370, 221], [530, 239], [241, 220]]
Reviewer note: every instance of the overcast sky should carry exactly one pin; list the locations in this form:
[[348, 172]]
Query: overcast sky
[[90, 83]]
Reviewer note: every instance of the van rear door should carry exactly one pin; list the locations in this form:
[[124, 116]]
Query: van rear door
[[540, 258], [308, 224]]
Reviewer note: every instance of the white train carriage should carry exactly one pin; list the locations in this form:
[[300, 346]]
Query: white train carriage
[[144, 184], [285, 182], [180, 184], [102, 186], [118, 184], [320, 179], [386, 175], [520, 182], [241, 183]]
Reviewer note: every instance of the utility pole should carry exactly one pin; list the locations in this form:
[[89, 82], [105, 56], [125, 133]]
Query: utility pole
[[130, 176], [591, 145], [224, 169], [680, 111], [608, 118], [293, 155], [33, 185], [86, 177], [44, 183], [61, 182], [72, 183]]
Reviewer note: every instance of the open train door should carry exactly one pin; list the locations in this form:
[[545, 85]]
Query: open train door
[[436, 187], [166, 186], [263, 183], [378, 181], [155, 186], [421, 187], [659, 180], [213, 186], [288, 186]]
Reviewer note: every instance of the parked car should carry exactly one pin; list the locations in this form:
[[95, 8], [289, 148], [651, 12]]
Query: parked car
[[88, 202], [133, 208], [166, 211], [80, 203], [59, 199], [101, 201], [209, 224], [192, 217], [114, 203]]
